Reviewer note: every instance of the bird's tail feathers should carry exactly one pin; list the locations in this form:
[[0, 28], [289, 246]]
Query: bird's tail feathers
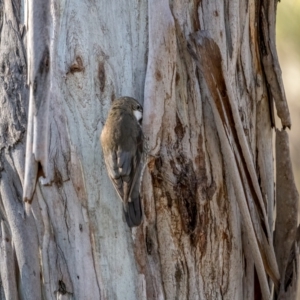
[[133, 212]]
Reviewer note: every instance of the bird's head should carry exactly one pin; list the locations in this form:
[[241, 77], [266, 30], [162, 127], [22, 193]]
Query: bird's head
[[131, 104]]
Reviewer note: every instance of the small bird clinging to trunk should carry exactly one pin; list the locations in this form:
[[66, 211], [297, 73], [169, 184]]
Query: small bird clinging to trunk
[[122, 144]]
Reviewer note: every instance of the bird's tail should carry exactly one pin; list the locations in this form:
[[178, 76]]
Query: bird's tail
[[133, 212]]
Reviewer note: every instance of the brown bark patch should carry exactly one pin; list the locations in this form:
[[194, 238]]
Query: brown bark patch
[[186, 195], [154, 166], [45, 62], [201, 237], [149, 242], [113, 97], [57, 178], [178, 273], [140, 250], [169, 199], [200, 162], [101, 76], [158, 75], [196, 21], [77, 66], [179, 130], [177, 78]]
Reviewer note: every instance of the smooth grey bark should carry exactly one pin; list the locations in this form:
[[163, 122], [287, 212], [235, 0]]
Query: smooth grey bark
[[207, 73]]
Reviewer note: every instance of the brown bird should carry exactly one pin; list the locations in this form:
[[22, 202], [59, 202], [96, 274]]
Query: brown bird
[[122, 143]]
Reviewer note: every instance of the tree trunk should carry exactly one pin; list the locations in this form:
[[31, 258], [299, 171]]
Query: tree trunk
[[207, 74]]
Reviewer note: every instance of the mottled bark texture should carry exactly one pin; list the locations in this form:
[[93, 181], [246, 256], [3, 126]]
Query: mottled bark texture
[[207, 73]]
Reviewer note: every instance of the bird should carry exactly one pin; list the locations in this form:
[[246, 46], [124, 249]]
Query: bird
[[122, 144]]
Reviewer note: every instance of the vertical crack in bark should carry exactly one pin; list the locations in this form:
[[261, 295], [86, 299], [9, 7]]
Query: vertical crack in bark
[[64, 283]]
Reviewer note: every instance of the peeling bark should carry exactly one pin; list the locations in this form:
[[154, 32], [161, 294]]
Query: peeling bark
[[17, 228], [206, 72], [270, 60]]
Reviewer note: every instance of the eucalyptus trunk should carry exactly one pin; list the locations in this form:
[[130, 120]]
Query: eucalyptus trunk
[[207, 74]]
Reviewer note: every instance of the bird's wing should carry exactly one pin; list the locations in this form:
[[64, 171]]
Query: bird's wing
[[131, 167], [124, 168], [113, 172], [137, 161]]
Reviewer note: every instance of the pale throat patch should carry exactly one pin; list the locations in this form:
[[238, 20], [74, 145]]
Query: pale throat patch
[[138, 115]]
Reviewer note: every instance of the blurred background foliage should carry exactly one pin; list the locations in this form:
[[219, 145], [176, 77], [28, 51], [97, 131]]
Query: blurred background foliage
[[288, 46]]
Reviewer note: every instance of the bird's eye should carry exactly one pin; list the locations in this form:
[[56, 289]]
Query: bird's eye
[[139, 107]]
